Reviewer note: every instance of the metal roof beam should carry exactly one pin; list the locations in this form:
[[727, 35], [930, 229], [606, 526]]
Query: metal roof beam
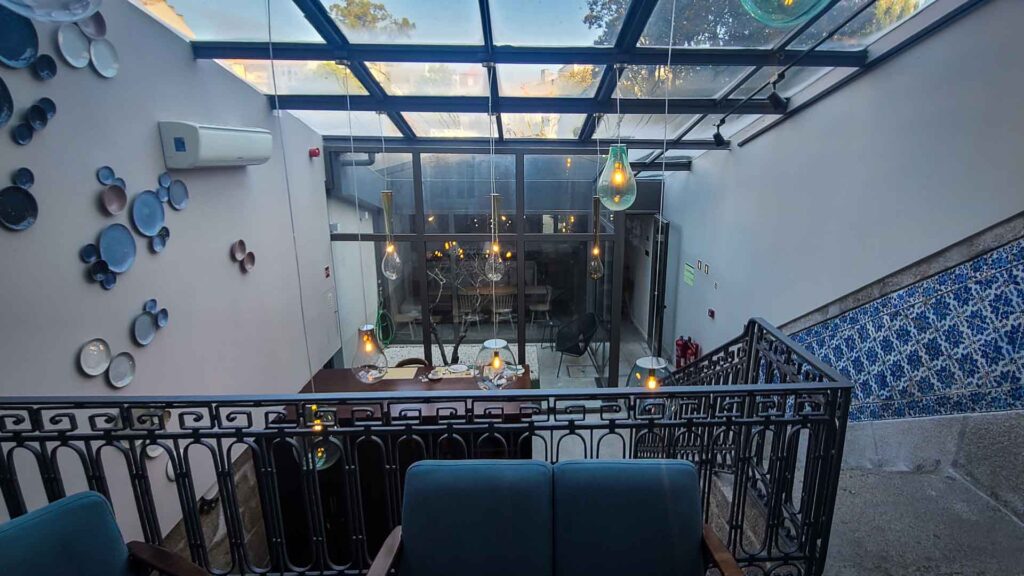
[[482, 145]]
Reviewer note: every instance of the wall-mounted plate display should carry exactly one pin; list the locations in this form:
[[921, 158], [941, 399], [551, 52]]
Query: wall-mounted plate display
[[162, 318], [104, 58], [249, 262], [49, 105], [18, 208], [45, 67], [114, 199], [6, 104], [122, 370], [94, 26], [120, 182], [89, 253], [163, 193], [106, 175], [36, 117], [94, 358], [23, 177], [19, 43], [109, 281], [148, 213], [169, 470], [144, 328], [73, 45], [157, 244], [164, 180], [22, 134], [99, 270], [117, 247], [153, 451], [238, 250], [150, 306], [178, 195]]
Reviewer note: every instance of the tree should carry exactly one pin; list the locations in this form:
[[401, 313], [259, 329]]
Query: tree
[[369, 15]]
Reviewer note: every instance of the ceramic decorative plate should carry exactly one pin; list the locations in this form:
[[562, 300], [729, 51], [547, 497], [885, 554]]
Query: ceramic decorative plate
[[45, 67], [153, 451], [157, 244], [89, 253], [164, 180], [458, 368], [19, 43], [99, 270], [36, 117], [169, 470], [73, 45], [249, 262], [94, 26], [148, 213], [163, 193], [23, 177], [109, 281], [122, 370], [94, 358], [178, 195], [162, 317], [18, 208], [104, 58], [6, 104], [114, 199], [49, 105], [117, 247], [144, 328], [22, 134], [105, 174], [238, 250], [150, 306]]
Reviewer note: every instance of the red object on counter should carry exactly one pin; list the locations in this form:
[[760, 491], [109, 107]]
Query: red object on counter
[[314, 152], [686, 351]]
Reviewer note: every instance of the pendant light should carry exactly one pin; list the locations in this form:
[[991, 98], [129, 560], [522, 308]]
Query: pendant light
[[617, 187], [494, 267], [391, 264], [596, 266]]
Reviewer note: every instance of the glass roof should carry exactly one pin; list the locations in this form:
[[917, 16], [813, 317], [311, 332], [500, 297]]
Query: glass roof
[[706, 24], [295, 76], [542, 125], [797, 78], [430, 79], [233, 20], [548, 80], [642, 126], [555, 23], [336, 123], [449, 124], [408, 21], [864, 29], [679, 81]]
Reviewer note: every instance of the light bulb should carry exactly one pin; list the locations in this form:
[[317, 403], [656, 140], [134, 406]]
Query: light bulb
[[494, 268], [496, 362], [596, 267], [652, 382], [391, 265], [617, 187], [369, 362]]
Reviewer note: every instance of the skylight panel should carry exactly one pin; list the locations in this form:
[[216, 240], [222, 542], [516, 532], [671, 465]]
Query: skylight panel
[[545, 125], [708, 24], [408, 21], [430, 79], [295, 76], [869, 26], [336, 123], [555, 23], [642, 126], [679, 81], [449, 124], [233, 20], [549, 80]]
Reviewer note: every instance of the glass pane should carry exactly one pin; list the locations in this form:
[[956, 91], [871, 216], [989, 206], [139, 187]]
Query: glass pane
[[864, 29], [295, 76], [680, 81], [336, 123], [797, 78], [549, 80], [640, 154], [449, 124], [559, 191], [561, 23], [430, 79], [644, 126], [708, 23], [408, 21], [542, 125], [233, 20], [706, 129], [359, 179], [457, 189]]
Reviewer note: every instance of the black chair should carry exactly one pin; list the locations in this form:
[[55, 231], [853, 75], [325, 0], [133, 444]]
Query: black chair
[[411, 362], [573, 339]]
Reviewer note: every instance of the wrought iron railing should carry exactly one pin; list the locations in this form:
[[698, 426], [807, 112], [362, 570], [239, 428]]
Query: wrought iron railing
[[329, 468]]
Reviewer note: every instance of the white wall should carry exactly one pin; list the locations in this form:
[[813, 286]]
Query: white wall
[[229, 332], [916, 155], [357, 273]]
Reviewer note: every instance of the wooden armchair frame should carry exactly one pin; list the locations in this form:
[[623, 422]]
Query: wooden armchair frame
[[148, 558]]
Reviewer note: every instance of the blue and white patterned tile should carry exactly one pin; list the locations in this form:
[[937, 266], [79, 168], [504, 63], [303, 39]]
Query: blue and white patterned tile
[[968, 367], [1000, 257], [944, 378], [993, 350], [1015, 251]]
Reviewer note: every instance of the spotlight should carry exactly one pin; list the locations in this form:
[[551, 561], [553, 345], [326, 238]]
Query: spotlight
[[718, 138], [776, 100]]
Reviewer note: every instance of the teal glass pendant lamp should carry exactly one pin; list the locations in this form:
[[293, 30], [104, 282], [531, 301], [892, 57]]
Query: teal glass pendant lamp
[[617, 187], [783, 13]]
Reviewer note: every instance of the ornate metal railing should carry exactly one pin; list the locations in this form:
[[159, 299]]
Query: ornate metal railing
[[329, 469]]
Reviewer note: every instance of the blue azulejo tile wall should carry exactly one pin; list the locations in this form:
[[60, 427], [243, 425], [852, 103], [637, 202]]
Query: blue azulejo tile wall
[[949, 344]]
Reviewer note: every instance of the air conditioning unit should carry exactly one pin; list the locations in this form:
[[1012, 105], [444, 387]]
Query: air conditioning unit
[[187, 145]]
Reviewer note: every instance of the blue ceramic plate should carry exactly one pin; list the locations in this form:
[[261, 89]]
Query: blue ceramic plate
[[178, 195], [163, 193], [105, 174], [162, 317], [37, 117], [22, 134], [108, 281], [19, 43], [45, 67], [49, 105], [150, 306], [89, 253], [164, 233], [24, 177], [144, 328], [6, 104], [120, 182], [99, 270], [148, 213], [164, 180], [18, 208], [157, 244], [117, 247]]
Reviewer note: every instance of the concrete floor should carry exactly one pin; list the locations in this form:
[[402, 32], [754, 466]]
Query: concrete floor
[[580, 372]]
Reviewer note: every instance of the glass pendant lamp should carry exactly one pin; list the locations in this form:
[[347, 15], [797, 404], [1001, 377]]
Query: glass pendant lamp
[[494, 364], [391, 264], [596, 266], [649, 372], [369, 362], [617, 187], [494, 267], [783, 13]]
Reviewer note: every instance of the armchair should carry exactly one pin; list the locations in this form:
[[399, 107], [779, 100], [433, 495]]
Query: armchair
[[78, 535], [592, 518]]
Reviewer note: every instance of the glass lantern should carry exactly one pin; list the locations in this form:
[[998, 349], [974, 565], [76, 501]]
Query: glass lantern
[[495, 364], [369, 362], [783, 13], [617, 188], [648, 372]]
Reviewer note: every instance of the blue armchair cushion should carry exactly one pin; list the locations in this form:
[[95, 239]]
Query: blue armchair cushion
[[477, 518], [74, 535], [627, 518]]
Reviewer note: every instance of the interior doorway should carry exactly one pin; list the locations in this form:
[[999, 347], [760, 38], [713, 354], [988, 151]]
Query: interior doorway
[[645, 267]]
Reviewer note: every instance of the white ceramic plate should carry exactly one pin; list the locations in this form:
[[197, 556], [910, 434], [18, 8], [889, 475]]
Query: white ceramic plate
[[169, 470], [458, 368], [104, 58], [94, 26], [94, 357], [153, 451], [238, 250], [144, 328], [74, 45], [122, 370]]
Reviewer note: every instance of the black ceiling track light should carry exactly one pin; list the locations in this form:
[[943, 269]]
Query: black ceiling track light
[[777, 101], [717, 136]]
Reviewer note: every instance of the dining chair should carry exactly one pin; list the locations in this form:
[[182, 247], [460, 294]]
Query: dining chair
[[469, 309], [573, 339], [543, 307], [502, 307]]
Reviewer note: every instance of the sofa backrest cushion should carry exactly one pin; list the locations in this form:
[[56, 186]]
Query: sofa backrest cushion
[[477, 518], [627, 517]]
